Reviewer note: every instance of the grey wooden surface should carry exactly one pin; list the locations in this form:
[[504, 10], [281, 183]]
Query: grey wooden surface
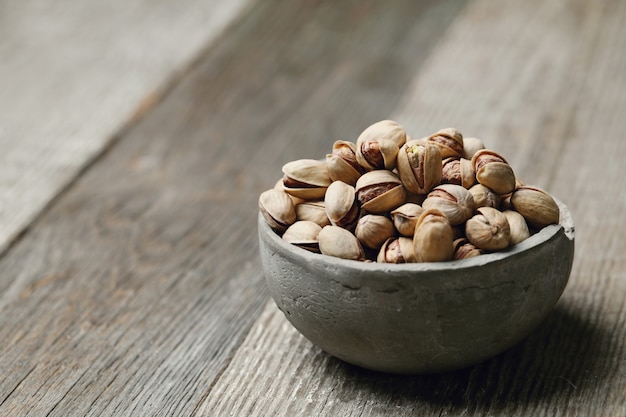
[[138, 290]]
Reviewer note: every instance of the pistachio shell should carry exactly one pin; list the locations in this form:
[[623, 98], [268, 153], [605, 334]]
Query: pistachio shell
[[314, 211], [493, 171], [449, 141], [538, 207], [484, 196], [277, 209], [405, 218], [385, 129], [341, 205], [419, 166], [464, 249], [397, 250], [372, 230], [488, 229], [304, 234], [471, 146], [377, 154], [380, 191], [454, 201], [339, 242], [306, 178], [433, 237], [342, 164], [518, 226]]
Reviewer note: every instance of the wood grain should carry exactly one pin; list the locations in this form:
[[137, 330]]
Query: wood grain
[[131, 293], [73, 74], [543, 84]]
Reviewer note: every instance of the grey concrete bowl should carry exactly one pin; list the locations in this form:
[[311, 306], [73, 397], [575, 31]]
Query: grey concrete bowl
[[419, 318]]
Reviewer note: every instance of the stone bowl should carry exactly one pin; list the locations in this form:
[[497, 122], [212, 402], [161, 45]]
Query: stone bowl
[[424, 317]]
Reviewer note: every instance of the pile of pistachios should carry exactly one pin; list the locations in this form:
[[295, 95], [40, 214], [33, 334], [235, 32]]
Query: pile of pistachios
[[390, 198]]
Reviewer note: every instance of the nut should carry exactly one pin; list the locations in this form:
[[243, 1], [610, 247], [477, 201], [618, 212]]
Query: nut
[[464, 249], [493, 171], [397, 251], [380, 191], [458, 171], [449, 141], [471, 146], [306, 178], [314, 211], [277, 209], [488, 230], [304, 234], [341, 206], [484, 196], [405, 218], [339, 242], [432, 241], [372, 230], [377, 154], [518, 226], [454, 201], [383, 130], [419, 166], [538, 207], [342, 164]]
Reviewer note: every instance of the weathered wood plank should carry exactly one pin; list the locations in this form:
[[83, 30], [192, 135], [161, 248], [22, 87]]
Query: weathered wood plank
[[544, 84], [73, 74], [131, 293]]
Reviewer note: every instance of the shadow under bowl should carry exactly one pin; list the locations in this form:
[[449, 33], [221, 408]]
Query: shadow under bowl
[[422, 317]]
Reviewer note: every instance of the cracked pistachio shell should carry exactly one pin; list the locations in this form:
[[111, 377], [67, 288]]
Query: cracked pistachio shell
[[377, 154], [314, 211], [471, 146], [372, 230], [279, 186], [488, 229], [342, 164], [458, 171], [385, 129], [405, 218], [518, 226], [538, 207], [484, 196], [449, 141], [304, 234], [419, 166], [493, 171], [341, 206], [397, 251], [306, 178], [339, 242], [464, 249], [432, 241], [277, 208], [380, 191], [454, 201]]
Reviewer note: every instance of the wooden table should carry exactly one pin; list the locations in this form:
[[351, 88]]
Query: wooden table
[[136, 138]]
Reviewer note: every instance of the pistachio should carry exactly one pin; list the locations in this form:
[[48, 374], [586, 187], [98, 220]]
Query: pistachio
[[419, 166], [493, 171], [405, 218], [377, 154], [339, 242], [372, 230], [314, 211], [432, 241], [538, 207], [454, 201], [464, 249], [380, 191], [397, 251], [306, 178], [518, 226], [449, 141], [488, 229], [484, 196], [304, 234], [277, 209], [385, 130], [458, 171], [471, 146], [341, 206], [342, 164]]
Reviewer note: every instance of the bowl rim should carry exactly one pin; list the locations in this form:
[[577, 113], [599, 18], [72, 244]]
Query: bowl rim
[[547, 233]]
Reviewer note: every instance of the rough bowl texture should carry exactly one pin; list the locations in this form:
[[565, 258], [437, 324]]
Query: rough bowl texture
[[419, 318]]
